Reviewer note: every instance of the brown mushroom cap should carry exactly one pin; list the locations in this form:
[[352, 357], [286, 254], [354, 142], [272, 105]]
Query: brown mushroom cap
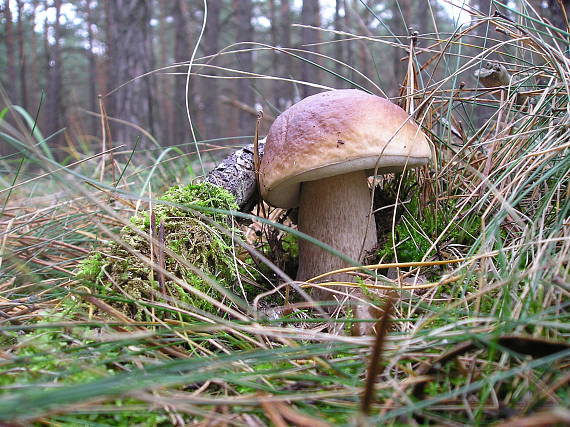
[[333, 133]]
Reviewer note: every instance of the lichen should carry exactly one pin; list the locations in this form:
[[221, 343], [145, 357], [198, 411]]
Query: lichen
[[120, 272]]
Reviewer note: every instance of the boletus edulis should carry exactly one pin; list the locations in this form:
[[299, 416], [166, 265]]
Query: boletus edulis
[[318, 156]]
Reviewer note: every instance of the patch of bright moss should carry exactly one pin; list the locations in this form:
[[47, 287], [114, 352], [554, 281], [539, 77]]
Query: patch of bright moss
[[91, 268], [415, 235], [52, 357], [201, 248], [290, 245]]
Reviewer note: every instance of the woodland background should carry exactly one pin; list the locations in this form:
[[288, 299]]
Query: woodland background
[[65, 61]]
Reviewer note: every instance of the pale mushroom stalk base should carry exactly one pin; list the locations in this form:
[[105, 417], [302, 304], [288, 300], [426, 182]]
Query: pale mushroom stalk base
[[335, 211]]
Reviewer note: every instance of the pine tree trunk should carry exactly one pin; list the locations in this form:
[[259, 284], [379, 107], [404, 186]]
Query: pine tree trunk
[[22, 56], [285, 89], [422, 18], [92, 76], [54, 103], [209, 86], [274, 31], [556, 15], [182, 52], [130, 56], [401, 16], [10, 55], [484, 30], [164, 95], [338, 47], [244, 32], [34, 73], [310, 15]]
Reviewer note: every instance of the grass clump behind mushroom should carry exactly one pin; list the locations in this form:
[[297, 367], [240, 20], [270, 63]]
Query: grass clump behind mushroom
[[419, 226], [122, 272]]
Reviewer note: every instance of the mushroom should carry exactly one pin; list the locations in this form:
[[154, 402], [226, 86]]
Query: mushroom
[[318, 156]]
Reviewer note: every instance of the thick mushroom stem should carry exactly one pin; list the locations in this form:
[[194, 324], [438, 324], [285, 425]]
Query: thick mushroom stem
[[335, 211]]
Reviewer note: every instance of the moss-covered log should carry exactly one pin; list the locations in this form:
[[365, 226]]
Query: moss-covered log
[[122, 270]]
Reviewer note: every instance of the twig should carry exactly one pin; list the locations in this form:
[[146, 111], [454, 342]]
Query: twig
[[160, 256], [245, 107], [273, 414], [374, 366], [551, 417], [297, 418]]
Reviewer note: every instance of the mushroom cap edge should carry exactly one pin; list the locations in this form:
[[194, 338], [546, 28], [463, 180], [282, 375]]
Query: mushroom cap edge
[[333, 133]]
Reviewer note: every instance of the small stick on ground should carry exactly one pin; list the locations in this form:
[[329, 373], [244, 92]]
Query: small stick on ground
[[161, 261], [374, 367]]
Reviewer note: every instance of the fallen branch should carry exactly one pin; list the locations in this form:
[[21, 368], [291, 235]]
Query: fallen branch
[[236, 174]]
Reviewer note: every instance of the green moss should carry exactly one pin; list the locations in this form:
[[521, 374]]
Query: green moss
[[201, 250], [203, 195], [290, 245], [51, 357], [420, 226], [116, 418], [91, 268]]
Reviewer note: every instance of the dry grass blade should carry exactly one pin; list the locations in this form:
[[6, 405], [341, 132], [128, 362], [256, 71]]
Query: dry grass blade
[[546, 418], [297, 418], [273, 413]]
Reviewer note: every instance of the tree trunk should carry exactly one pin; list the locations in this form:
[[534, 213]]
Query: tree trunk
[[164, 96], [556, 15], [34, 73], [484, 33], [10, 55], [484, 30], [348, 57], [285, 89], [92, 75], [338, 47], [209, 86], [401, 17], [54, 104], [243, 16], [22, 56], [276, 55], [182, 52], [310, 15], [130, 56], [422, 19]]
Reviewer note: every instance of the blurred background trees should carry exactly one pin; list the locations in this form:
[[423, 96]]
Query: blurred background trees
[[67, 61]]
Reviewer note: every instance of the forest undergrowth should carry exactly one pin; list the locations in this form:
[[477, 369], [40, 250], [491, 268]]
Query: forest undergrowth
[[106, 321]]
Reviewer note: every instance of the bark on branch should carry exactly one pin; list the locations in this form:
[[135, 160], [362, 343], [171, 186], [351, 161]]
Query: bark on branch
[[236, 173]]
